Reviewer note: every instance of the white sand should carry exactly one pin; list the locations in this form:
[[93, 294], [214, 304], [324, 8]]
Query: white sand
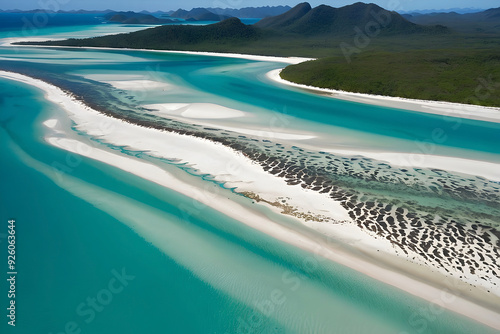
[[202, 113], [432, 107], [129, 82], [196, 110], [138, 84], [288, 60], [484, 169], [416, 159], [239, 171], [263, 133]]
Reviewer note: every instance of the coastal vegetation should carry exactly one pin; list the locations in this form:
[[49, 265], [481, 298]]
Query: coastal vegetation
[[463, 76], [223, 36]]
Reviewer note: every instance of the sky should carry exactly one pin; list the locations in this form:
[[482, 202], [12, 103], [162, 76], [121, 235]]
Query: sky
[[165, 5]]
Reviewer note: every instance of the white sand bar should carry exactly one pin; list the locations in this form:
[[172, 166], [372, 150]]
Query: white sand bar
[[484, 169], [241, 172], [287, 60]]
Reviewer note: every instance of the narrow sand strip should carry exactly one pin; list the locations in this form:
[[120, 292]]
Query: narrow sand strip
[[357, 255], [288, 60], [488, 114], [484, 169]]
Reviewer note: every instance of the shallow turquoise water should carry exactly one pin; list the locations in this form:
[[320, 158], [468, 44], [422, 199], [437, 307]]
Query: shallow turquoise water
[[200, 272], [207, 275], [241, 84]]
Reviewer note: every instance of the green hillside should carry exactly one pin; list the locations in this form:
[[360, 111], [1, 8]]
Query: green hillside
[[230, 32]]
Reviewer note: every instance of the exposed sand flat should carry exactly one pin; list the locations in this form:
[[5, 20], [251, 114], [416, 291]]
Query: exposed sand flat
[[130, 82], [196, 110], [467, 111], [484, 169], [138, 84], [353, 249], [51, 123], [178, 111]]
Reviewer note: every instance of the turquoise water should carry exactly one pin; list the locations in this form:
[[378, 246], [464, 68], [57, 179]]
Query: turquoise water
[[194, 270], [241, 84], [204, 274]]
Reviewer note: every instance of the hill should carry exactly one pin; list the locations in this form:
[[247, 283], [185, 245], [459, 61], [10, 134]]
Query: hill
[[301, 31], [251, 12], [225, 34], [198, 14], [487, 21], [286, 19], [134, 18], [324, 20], [449, 10]]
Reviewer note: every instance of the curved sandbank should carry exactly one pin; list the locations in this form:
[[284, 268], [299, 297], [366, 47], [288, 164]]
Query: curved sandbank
[[351, 247], [468, 111]]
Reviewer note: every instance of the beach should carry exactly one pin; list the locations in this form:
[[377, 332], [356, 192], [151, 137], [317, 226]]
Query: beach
[[288, 60], [467, 111], [345, 245]]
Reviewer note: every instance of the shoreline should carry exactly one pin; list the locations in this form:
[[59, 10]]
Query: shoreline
[[287, 60], [408, 279], [442, 108]]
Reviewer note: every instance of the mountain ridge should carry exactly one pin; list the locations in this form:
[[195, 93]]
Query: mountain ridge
[[483, 21], [198, 14], [308, 28], [134, 18], [303, 19]]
